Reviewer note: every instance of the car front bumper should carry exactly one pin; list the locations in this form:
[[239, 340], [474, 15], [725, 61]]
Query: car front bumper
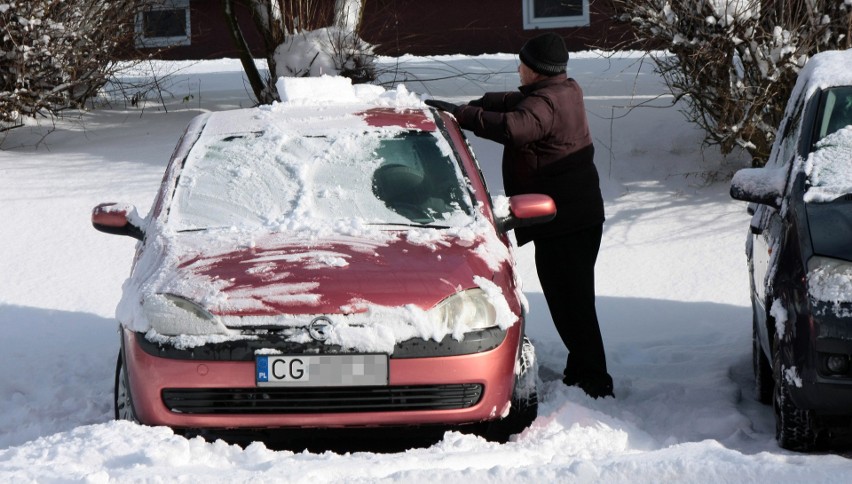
[[461, 389], [820, 391]]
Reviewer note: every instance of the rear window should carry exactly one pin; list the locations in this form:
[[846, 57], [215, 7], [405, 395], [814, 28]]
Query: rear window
[[275, 180]]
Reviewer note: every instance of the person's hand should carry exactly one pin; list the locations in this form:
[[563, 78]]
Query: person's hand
[[442, 105]]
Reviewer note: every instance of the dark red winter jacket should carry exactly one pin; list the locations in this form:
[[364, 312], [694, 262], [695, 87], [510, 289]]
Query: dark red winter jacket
[[547, 149]]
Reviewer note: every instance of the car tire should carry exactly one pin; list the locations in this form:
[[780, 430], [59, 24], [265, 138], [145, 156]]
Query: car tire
[[122, 402], [764, 381], [524, 409], [794, 427]]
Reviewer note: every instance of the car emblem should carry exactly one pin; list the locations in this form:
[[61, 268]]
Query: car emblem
[[320, 328]]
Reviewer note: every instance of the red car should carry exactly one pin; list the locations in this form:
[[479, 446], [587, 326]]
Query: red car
[[339, 264]]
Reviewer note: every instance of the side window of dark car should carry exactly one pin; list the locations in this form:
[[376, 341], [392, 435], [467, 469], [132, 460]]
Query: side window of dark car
[[790, 134]]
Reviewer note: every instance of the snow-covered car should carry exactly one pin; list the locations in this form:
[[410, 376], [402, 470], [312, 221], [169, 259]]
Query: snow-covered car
[[333, 260], [799, 250]]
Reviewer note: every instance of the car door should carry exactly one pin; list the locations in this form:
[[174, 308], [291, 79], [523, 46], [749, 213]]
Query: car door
[[766, 226], [769, 224]]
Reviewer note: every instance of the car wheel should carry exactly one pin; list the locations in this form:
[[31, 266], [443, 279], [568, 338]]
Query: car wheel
[[794, 427], [764, 382], [524, 407], [122, 402]]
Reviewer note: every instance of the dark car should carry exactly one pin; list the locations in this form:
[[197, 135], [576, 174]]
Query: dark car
[[799, 250], [324, 264]]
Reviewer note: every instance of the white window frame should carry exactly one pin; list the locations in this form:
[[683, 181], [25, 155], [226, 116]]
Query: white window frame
[[145, 42], [532, 22]]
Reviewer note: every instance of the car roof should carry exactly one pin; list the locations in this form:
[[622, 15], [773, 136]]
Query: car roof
[[824, 70], [316, 106], [318, 121]]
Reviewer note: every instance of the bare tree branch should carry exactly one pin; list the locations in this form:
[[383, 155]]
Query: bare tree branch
[[735, 62], [57, 54]]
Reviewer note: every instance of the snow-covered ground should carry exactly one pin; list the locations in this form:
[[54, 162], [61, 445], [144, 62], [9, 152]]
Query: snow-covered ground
[[672, 285]]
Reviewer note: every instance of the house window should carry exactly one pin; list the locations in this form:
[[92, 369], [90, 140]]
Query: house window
[[550, 14], [163, 23]]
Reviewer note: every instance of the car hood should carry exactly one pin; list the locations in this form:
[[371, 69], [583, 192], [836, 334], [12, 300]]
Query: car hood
[[275, 275]]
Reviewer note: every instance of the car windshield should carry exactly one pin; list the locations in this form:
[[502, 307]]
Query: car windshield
[[275, 179], [828, 194], [835, 111], [829, 165]]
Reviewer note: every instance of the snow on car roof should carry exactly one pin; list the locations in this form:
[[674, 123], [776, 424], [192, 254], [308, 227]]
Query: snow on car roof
[[326, 104], [829, 167], [825, 69]]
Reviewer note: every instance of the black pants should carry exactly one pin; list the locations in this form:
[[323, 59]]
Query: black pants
[[566, 270]]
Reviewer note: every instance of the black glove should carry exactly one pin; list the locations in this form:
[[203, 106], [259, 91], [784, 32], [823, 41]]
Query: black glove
[[442, 105], [476, 102]]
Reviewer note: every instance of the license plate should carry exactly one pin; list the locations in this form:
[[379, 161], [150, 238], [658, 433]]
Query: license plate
[[321, 370]]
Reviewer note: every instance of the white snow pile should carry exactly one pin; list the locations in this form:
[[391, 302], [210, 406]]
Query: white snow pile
[[326, 89], [325, 51]]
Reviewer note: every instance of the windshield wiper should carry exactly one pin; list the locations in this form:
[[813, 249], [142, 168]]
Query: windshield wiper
[[414, 225], [203, 229]]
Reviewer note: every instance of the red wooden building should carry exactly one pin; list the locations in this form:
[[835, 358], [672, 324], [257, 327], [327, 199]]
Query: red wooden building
[[196, 29]]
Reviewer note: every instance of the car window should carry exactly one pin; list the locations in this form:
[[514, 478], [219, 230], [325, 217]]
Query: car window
[[283, 180], [835, 111], [787, 145]]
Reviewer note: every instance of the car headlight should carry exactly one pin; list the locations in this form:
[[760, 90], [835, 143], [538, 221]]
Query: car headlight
[[830, 280], [464, 311], [173, 315]]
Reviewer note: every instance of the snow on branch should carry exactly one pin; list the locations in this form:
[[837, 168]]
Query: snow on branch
[[56, 54], [734, 62]]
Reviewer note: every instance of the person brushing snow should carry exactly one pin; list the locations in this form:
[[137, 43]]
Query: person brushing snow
[[547, 148]]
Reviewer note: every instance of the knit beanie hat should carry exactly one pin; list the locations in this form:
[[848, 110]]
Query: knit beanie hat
[[545, 54]]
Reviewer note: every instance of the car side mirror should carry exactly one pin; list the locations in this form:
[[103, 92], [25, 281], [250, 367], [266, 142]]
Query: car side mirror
[[118, 219], [763, 186], [525, 210]]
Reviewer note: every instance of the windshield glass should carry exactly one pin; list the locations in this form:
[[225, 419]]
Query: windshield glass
[[829, 168], [835, 111], [255, 180], [828, 187]]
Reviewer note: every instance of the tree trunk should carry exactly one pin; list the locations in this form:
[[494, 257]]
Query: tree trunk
[[261, 93], [347, 14]]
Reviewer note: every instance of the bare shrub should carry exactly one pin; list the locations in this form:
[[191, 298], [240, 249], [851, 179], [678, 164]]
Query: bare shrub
[[735, 62], [56, 54]]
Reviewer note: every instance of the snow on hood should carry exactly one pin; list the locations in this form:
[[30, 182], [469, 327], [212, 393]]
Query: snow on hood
[[377, 293], [831, 281]]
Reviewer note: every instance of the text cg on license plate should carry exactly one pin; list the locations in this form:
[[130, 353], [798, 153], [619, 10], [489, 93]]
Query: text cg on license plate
[[322, 370]]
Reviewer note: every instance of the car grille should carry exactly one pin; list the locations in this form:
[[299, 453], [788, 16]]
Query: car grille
[[321, 400]]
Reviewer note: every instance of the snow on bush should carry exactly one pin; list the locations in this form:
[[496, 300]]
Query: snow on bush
[[330, 51], [56, 54], [735, 62]]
